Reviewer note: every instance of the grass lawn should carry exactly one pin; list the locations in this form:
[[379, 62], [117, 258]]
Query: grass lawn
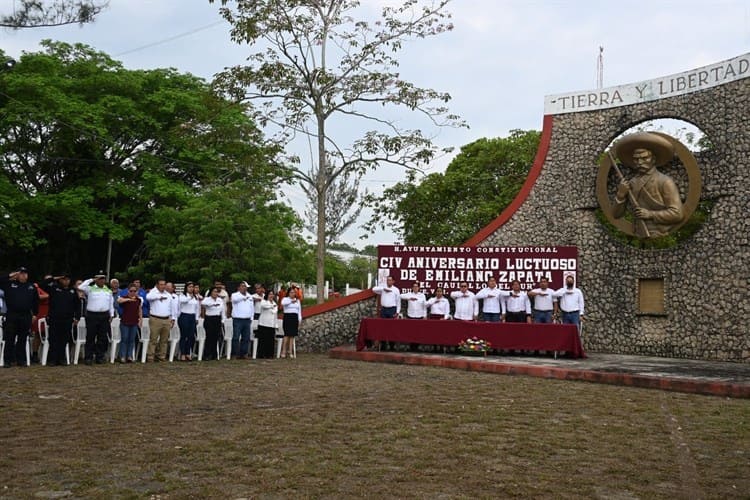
[[324, 428]]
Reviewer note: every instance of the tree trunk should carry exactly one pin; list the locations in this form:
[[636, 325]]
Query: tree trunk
[[320, 181]]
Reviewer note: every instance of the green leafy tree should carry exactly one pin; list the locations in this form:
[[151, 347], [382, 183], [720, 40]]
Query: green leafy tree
[[317, 60], [228, 232], [90, 150], [40, 13], [449, 208]]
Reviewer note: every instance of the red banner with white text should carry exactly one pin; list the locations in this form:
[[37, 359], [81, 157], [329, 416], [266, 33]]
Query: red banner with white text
[[446, 267]]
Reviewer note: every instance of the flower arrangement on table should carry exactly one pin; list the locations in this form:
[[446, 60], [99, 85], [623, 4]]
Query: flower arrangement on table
[[474, 347]]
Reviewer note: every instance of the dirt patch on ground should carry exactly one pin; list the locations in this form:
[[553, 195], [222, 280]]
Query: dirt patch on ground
[[325, 428]]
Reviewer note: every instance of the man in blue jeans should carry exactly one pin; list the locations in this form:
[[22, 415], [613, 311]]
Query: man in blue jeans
[[571, 303], [390, 302], [243, 311]]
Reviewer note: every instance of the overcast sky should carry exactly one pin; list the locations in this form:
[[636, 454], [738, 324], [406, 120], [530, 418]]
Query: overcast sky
[[498, 63]]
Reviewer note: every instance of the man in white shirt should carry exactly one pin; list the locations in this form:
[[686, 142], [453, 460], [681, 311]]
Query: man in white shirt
[[545, 305], [517, 305], [169, 287], [243, 310], [467, 308], [390, 299], [571, 302], [416, 303], [492, 298], [439, 305], [390, 303], [99, 312], [161, 319]]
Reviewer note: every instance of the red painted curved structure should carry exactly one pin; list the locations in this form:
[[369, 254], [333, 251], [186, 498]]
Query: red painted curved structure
[[536, 169]]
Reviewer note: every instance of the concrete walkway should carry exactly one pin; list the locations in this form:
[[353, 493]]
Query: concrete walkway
[[682, 375]]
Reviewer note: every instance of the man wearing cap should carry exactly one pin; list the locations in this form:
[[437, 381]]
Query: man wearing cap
[[22, 302], [243, 311], [161, 320], [99, 312], [653, 196], [64, 312]]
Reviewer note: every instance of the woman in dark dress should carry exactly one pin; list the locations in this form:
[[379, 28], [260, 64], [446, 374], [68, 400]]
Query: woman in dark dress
[[267, 322]]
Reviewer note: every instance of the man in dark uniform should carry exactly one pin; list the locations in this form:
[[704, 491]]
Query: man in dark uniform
[[64, 312], [23, 305]]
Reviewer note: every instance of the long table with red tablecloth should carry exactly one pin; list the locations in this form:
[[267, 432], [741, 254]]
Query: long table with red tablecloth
[[502, 336]]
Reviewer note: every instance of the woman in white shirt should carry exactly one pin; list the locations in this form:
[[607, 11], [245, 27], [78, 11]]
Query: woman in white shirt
[[292, 319], [190, 312], [214, 308], [267, 320]]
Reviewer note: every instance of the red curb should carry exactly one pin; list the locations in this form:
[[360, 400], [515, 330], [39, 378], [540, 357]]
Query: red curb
[[709, 388]]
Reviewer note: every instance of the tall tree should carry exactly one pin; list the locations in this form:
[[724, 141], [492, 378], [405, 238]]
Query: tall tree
[[317, 60], [39, 13], [89, 150], [449, 208]]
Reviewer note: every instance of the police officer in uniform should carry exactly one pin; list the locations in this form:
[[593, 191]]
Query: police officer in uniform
[[23, 305], [99, 312], [64, 312]]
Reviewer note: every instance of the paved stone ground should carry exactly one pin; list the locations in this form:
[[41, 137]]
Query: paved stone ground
[[683, 375]]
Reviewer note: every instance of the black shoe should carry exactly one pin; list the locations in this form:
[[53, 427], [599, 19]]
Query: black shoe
[[99, 361], [88, 362]]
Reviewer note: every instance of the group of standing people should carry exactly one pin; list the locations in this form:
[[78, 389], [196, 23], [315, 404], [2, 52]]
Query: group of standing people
[[565, 305], [161, 307]]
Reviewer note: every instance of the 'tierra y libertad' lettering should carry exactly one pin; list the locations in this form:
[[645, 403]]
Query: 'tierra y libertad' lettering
[[659, 88]]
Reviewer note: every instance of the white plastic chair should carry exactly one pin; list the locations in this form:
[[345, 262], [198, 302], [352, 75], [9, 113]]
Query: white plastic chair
[[143, 339], [2, 345], [29, 340], [80, 339], [200, 336], [174, 339], [228, 332], [115, 337], [44, 336]]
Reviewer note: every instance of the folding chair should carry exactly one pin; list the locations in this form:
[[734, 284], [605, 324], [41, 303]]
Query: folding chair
[[79, 339], [44, 336], [174, 339], [115, 337]]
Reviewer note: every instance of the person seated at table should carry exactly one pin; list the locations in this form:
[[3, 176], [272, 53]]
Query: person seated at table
[[439, 306], [545, 305], [416, 307], [517, 305], [492, 298], [467, 307]]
